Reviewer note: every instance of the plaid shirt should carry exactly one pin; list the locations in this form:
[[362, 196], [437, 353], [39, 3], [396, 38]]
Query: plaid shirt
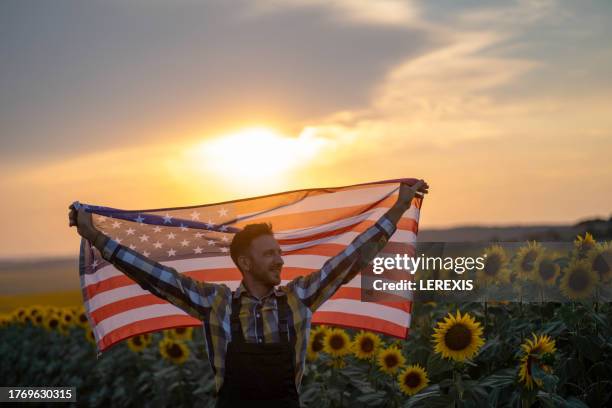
[[212, 302]]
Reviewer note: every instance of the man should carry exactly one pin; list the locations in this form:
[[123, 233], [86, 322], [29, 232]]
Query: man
[[256, 336]]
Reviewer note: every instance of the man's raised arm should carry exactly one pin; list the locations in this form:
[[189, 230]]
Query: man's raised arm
[[319, 286], [163, 281]]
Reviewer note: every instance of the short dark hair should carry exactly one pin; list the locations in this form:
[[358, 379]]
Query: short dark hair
[[242, 240]]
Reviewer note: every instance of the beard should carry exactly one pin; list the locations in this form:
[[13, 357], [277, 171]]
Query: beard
[[269, 275], [275, 274]]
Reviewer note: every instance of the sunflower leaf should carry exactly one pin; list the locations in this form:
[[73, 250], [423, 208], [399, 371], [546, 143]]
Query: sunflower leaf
[[550, 399], [601, 320], [573, 402], [549, 381], [587, 347], [373, 398], [490, 348], [310, 393], [500, 379], [437, 365], [554, 328], [470, 363], [428, 393]]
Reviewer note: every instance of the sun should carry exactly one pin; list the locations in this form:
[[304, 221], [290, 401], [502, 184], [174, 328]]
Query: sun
[[258, 154]]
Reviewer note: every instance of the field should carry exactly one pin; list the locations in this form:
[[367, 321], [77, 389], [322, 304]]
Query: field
[[9, 303], [514, 354]]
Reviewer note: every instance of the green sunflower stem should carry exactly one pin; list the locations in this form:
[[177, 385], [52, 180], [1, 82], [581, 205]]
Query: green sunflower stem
[[541, 306], [486, 317], [457, 368], [333, 382], [181, 384], [596, 308]]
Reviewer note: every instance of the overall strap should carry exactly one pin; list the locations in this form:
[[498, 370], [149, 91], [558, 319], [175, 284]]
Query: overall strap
[[284, 317], [235, 325]]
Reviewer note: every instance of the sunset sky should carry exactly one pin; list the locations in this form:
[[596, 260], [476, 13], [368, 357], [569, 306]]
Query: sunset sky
[[505, 108]]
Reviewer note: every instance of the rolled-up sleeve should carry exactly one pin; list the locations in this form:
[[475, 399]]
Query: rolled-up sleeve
[[314, 289]]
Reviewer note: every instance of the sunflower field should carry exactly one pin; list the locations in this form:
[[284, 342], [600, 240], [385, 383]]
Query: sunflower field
[[478, 354]]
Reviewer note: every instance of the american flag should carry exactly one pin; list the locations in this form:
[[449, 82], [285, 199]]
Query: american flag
[[310, 225]]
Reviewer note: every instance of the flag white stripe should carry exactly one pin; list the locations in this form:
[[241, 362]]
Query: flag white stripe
[[217, 262], [298, 261], [367, 309], [400, 236], [126, 292], [133, 315], [371, 215], [364, 195], [356, 307]]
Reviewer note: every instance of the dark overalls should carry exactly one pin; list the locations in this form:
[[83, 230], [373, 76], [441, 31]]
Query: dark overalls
[[259, 374]]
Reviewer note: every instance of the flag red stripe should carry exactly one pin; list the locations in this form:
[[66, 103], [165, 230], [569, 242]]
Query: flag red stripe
[[405, 224], [204, 275], [334, 318], [360, 322], [317, 249], [355, 294], [146, 326], [305, 219], [229, 274], [333, 249], [137, 301], [258, 204]]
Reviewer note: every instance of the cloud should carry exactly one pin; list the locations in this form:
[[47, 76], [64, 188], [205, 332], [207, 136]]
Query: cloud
[[440, 97], [447, 95], [513, 15], [379, 12]]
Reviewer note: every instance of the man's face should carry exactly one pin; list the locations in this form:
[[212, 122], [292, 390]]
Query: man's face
[[266, 260]]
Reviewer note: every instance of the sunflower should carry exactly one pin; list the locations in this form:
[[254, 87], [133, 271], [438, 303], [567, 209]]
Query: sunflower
[[139, 342], [600, 259], [337, 343], [494, 265], [52, 309], [38, 320], [5, 320], [81, 318], [67, 317], [443, 274], [35, 310], [583, 245], [412, 379], [315, 342], [89, 336], [174, 351], [545, 269], [579, 280], [534, 350], [526, 257], [365, 345], [390, 360], [180, 333], [458, 337], [52, 322], [37, 315], [63, 329], [337, 362], [20, 314]]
